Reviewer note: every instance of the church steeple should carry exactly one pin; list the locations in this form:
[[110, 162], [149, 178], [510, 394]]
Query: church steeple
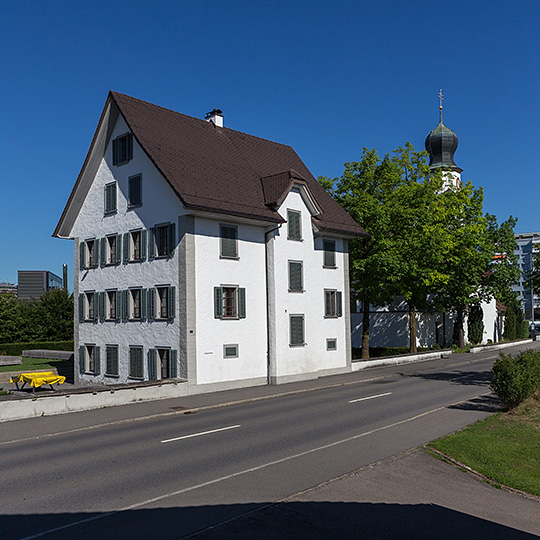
[[441, 143]]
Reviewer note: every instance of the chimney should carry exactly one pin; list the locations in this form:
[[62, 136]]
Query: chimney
[[216, 117]]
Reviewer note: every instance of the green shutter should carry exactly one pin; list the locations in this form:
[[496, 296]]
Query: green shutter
[[171, 302], [242, 303], [152, 303], [297, 329], [152, 242], [103, 250], [81, 358], [294, 225], [144, 242], [171, 238], [229, 237], [327, 303], [339, 304], [81, 308], [101, 304], [97, 252], [118, 305], [173, 364], [218, 302], [329, 247], [129, 146], [295, 276], [143, 303], [125, 305], [97, 360], [126, 246], [118, 254], [82, 255], [152, 370], [115, 151]]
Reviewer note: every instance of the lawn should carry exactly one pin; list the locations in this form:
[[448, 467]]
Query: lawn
[[32, 364], [504, 447]]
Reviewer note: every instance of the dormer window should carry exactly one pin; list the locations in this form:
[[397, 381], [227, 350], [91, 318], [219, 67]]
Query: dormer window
[[122, 149]]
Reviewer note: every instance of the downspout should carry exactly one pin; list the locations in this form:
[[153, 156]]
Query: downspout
[[266, 240]]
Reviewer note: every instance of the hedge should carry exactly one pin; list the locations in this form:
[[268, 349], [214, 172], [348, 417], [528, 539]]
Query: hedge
[[16, 349]]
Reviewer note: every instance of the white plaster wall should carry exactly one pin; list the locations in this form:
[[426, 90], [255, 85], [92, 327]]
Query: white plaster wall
[[313, 356], [160, 205], [491, 328], [249, 271]]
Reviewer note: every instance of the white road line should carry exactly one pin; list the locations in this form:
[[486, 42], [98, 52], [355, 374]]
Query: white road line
[[201, 433], [234, 475], [369, 397]]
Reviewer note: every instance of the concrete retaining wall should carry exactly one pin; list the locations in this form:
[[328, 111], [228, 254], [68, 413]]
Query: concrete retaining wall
[[10, 360], [402, 359], [43, 353], [495, 346]]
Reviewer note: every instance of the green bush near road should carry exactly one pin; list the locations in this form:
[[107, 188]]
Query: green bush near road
[[16, 349], [516, 378]]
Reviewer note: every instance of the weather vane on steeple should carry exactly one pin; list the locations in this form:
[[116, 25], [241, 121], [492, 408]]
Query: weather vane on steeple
[[440, 104]]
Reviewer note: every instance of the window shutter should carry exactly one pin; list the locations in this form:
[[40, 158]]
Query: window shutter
[[143, 244], [97, 252], [143, 303], [82, 255], [294, 225], [115, 151], [118, 305], [103, 250], [125, 305], [81, 358], [171, 238], [295, 276], [126, 246], [173, 364], [242, 303], [171, 302], [297, 330], [118, 254], [152, 242], [339, 304], [101, 302], [129, 146], [81, 307], [218, 302], [329, 247], [97, 360], [152, 303], [113, 190], [96, 305], [152, 371]]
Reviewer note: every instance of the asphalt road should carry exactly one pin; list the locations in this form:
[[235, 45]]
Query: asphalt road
[[149, 471]]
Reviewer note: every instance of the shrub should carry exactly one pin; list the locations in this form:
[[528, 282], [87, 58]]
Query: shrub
[[515, 378], [475, 324], [16, 349]]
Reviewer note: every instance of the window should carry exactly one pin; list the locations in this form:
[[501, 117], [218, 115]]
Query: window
[[89, 254], [136, 303], [229, 241], [136, 362], [296, 282], [162, 360], [294, 231], [91, 311], [165, 302], [229, 302], [135, 246], [230, 351], [122, 149], [111, 311], [331, 344], [89, 360], [135, 191], [329, 247], [111, 352], [110, 198], [296, 330], [162, 240], [111, 250], [332, 303]]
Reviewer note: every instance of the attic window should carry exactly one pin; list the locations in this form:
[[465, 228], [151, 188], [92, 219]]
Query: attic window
[[122, 149]]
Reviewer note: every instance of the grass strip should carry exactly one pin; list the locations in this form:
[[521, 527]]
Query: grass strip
[[505, 447], [31, 364]]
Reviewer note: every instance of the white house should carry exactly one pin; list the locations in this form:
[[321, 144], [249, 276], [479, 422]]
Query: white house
[[203, 254]]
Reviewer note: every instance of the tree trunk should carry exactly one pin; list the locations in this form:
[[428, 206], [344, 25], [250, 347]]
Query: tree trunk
[[460, 331], [365, 329], [412, 328]]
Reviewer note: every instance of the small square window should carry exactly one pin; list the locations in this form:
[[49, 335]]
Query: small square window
[[229, 241], [294, 227], [331, 344], [135, 191], [230, 351], [122, 149]]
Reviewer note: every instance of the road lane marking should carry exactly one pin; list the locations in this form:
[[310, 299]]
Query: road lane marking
[[240, 473], [369, 397], [201, 433]]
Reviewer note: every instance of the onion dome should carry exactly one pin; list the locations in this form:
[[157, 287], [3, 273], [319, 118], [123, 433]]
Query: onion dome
[[441, 144]]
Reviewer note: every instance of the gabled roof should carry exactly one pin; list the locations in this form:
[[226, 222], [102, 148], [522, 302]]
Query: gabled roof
[[214, 169]]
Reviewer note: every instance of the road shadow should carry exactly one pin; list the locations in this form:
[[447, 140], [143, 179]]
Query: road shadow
[[467, 378], [290, 520], [489, 404]]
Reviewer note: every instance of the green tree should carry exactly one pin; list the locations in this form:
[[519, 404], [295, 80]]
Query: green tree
[[475, 324], [57, 312], [10, 323], [510, 323]]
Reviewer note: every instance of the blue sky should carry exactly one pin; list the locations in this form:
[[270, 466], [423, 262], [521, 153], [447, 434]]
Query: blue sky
[[325, 77]]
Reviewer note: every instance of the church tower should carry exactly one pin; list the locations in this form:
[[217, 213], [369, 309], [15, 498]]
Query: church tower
[[441, 144]]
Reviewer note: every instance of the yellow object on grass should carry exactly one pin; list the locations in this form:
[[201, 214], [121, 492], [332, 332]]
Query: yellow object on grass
[[39, 378]]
